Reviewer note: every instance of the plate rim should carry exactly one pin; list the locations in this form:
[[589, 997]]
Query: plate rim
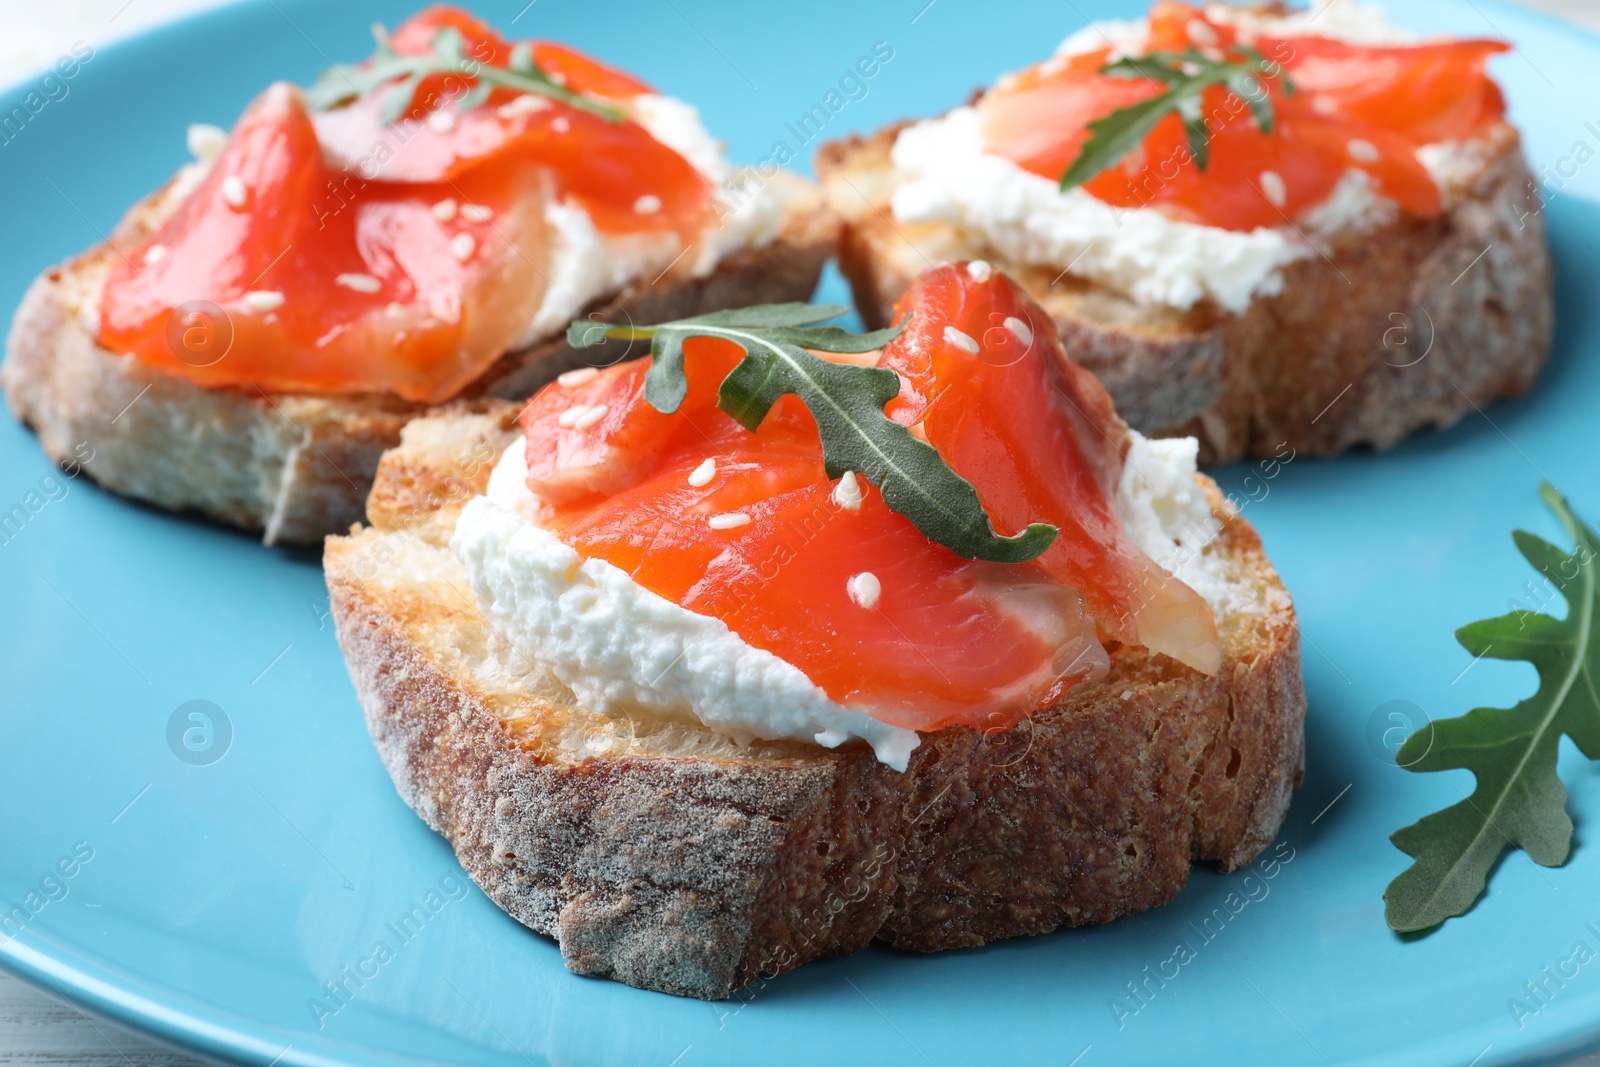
[[219, 1035]]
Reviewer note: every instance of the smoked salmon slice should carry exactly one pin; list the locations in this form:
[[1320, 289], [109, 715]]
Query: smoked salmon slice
[[1352, 107], [747, 527], [984, 374], [246, 284], [335, 252]]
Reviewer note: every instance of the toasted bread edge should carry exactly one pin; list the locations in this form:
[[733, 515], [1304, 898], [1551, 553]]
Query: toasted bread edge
[[1386, 333], [297, 467], [687, 865]]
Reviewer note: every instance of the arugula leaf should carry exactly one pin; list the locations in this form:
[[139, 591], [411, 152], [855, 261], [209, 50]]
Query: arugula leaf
[[1519, 801], [847, 402], [344, 82], [1186, 75]]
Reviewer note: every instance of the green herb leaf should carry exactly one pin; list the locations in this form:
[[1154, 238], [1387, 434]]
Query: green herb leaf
[[345, 82], [397, 99], [847, 402], [1250, 89], [1519, 801], [522, 58], [1186, 76], [665, 385]]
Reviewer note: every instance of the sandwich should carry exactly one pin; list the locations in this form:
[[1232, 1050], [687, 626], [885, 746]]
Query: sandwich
[[768, 640], [414, 229], [1268, 229]]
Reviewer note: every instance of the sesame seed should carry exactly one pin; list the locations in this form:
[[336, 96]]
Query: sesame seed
[[445, 210], [442, 121], [234, 192], [919, 430], [1020, 330], [571, 415], [648, 204], [1273, 189], [728, 520], [155, 254], [865, 590], [394, 309], [561, 124], [702, 475], [1363, 151], [205, 141], [979, 270], [557, 77], [960, 340], [361, 283], [579, 376], [590, 417], [263, 299], [1201, 33], [847, 494], [526, 104], [462, 245], [476, 213], [1324, 105]]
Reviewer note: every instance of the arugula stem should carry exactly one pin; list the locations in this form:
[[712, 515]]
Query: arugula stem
[[387, 71]]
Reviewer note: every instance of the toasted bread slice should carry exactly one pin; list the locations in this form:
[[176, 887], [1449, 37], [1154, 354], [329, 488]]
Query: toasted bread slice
[[671, 858], [1387, 332], [298, 467]]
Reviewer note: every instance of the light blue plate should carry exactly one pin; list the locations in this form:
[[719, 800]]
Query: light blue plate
[[220, 899]]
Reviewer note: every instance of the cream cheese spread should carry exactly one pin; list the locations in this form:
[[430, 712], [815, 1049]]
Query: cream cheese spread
[[586, 265], [624, 649], [946, 176]]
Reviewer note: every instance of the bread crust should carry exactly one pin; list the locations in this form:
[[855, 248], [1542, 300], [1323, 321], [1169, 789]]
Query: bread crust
[[677, 861], [1389, 332], [297, 467]]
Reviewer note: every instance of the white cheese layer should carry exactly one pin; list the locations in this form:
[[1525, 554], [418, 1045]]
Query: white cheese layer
[[586, 265], [947, 177], [1026, 218], [676, 124], [623, 649], [1167, 515]]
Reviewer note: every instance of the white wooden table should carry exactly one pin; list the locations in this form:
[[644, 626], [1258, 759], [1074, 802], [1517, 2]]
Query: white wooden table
[[38, 1027]]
